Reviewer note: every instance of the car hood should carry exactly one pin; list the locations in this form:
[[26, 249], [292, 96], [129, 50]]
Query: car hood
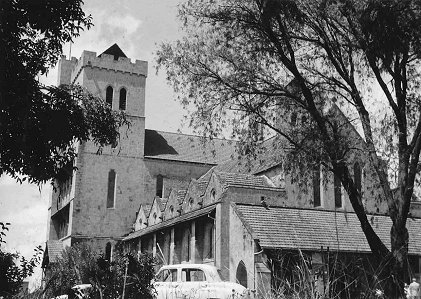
[[232, 285]]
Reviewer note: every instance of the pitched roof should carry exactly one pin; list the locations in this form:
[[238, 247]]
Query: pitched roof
[[280, 227], [186, 148], [170, 222], [115, 51], [180, 195], [244, 180], [270, 154]]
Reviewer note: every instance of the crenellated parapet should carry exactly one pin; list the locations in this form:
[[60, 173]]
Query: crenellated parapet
[[108, 62]]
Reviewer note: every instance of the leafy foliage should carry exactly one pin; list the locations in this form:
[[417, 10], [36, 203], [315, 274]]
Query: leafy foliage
[[80, 264], [14, 268], [39, 124], [245, 64]]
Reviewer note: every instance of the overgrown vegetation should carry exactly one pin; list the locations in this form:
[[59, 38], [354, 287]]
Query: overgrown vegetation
[[331, 275], [80, 264], [14, 268], [39, 124], [246, 64]]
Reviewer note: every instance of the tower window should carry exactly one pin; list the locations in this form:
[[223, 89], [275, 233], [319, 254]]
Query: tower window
[[337, 186], [111, 188], [159, 185], [316, 187], [109, 95], [122, 103]]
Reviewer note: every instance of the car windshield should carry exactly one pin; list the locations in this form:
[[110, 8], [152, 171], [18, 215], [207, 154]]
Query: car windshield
[[214, 274], [167, 275]]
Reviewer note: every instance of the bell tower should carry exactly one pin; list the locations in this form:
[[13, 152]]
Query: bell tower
[[100, 200]]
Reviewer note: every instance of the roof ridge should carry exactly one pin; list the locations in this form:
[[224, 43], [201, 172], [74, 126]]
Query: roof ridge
[[191, 135], [307, 209]]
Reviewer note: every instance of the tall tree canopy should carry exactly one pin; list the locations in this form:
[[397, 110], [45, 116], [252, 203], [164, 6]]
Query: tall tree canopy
[[38, 123], [244, 62]]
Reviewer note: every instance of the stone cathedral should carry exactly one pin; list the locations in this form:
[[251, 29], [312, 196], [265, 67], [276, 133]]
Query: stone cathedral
[[185, 201]]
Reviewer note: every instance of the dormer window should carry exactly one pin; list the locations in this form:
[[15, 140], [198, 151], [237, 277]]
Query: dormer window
[[122, 102], [191, 201], [109, 96], [154, 215], [213, 195], [171, 209]]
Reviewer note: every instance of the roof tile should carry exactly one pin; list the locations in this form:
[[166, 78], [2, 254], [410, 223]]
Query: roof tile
[[187, 148], [280, 227]]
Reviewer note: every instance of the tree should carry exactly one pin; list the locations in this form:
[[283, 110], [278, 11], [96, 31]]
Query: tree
[[14, 268], [40, 123], [80, 264], [245, 62]]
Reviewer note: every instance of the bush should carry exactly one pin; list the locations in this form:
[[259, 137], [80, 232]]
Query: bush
[[80, 264]]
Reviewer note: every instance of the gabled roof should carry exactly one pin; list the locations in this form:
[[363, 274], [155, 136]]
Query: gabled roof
[[244, 180], [186, 148], [115, 51], [289, 228], [180, 195], [270, 154]]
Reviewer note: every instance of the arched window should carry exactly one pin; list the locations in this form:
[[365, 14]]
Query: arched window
[[213, 195], [337, 186], [122, 103], [111, 188], [159, 185], [109, 95], [316, 187], [241, 274], [293, 118], [357, 176], [108, 251]]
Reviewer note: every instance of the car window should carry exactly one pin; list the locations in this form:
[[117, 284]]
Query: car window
[[167, 275], [192, 275]]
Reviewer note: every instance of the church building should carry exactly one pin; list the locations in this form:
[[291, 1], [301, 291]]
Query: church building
[[189, 201]]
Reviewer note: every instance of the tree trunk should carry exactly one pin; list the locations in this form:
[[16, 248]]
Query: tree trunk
[[398, 263]]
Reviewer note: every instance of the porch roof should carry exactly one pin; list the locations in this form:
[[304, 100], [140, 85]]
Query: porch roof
[[170, 222], [310, 229]]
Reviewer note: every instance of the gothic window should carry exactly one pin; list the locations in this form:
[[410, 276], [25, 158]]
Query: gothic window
[[316, 187], [357, 176], [213, 195], [337, 186], [111, 188], [108, 251], [293, 118], [109, 96], [159, 185], [122, 102], [241, 274]]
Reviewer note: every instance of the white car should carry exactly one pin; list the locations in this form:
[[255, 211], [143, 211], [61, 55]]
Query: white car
[[195, 281]]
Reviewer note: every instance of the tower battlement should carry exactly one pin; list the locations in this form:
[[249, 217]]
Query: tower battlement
[[108, 62], [69, 69]]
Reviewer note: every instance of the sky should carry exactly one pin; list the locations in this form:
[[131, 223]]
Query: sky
[[138, 27]]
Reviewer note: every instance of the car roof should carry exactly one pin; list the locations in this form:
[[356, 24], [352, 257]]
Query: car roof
[[188, 266]]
